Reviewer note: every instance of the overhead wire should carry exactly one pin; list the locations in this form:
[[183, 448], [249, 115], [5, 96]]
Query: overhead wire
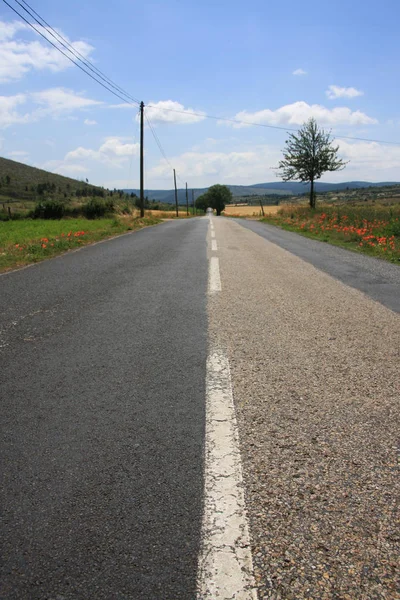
[[157, 140], [66, 55], [129, 99], [252, 123], [68, 46]]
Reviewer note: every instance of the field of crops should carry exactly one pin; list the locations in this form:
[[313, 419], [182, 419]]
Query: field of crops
[[249, 211]]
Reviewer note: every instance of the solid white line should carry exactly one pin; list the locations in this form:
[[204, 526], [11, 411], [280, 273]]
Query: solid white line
[[214, 279], [225, 562], [214, 246]]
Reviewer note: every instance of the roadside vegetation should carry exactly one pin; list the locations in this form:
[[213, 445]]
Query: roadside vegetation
[[44, 214], [26, 241], [373, 230]]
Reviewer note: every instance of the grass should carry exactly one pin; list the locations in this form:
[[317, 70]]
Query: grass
[[31, 240], [373, 230]]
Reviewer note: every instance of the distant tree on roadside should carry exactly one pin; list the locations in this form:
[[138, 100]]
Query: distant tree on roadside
[[309, 154], [218, 197], [202, 202]]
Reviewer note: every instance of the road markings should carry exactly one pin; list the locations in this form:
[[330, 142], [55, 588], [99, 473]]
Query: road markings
[[225, 562], [214, 246], [212, 233], [214, 279]]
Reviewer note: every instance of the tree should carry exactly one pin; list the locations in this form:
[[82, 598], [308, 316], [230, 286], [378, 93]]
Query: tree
[[218, 197], [202, 202], [308, 155]]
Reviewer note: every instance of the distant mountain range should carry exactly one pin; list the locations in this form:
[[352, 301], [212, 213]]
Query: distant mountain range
[[279, 188]]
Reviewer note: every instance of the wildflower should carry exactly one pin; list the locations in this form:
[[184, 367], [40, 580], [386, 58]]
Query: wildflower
[[44, 246]]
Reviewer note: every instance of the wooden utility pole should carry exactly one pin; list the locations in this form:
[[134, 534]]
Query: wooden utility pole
[[194, 208], [187, 202], [262, 208], [176, 196], [141, 163]]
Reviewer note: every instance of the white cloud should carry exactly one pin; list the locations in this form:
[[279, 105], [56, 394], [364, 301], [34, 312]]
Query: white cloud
[[70, 170], [18, 56], [334, 91], [54, 102], [206, 168], [8, 30], [61, 100], [89, 122], [164, 112], [114, 152], [299, 72], [9, 115], [18, 154], [299, 112], [369, 161], [372, 157]]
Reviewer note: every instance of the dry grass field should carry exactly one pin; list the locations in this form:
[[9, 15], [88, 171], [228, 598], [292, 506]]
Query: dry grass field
[[249, 211]]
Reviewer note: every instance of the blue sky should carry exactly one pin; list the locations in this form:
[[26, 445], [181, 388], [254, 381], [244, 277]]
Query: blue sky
[[271, 63]]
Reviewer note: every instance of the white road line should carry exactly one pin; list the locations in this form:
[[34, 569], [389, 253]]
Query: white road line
[[214, 279], [214, 246], [212, 233], [225, 562]]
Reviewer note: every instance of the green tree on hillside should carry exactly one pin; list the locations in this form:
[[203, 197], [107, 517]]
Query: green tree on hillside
[[308, 155]]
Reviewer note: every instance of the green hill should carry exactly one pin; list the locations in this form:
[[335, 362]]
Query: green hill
[[19, 182]]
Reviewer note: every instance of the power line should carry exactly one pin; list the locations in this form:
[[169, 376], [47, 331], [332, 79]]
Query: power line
[[251, 123], [68, 46], [157, 140], [58, 37], [66, 55]]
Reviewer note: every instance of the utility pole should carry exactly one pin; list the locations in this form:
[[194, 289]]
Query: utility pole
[[176, 196], [194, 208], [141, 163], [262, 208], [187, 202]]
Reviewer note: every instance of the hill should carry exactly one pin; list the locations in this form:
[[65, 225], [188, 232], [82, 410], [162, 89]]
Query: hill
[[275, 188], [22, 182], [25, 183]]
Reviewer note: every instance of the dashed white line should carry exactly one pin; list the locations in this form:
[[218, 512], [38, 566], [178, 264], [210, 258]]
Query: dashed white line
[[214, 246], [225, 562], [212, 233], [214, 279]]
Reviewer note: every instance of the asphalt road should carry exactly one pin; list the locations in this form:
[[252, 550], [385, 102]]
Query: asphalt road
[[103, 356], [378, 279], [103, 370]]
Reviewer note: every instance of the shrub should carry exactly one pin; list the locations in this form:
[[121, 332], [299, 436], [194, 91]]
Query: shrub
[[50, 209], [96, 208]]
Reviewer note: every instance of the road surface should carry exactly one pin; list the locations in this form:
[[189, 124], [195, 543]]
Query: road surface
[[200, 408]]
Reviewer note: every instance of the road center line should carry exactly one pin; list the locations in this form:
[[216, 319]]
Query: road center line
[[214, 246], [214, 279], [225, 562], [212, 233]]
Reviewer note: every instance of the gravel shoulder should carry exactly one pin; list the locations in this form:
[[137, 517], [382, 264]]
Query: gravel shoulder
[[314, 367], [377, 278]]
